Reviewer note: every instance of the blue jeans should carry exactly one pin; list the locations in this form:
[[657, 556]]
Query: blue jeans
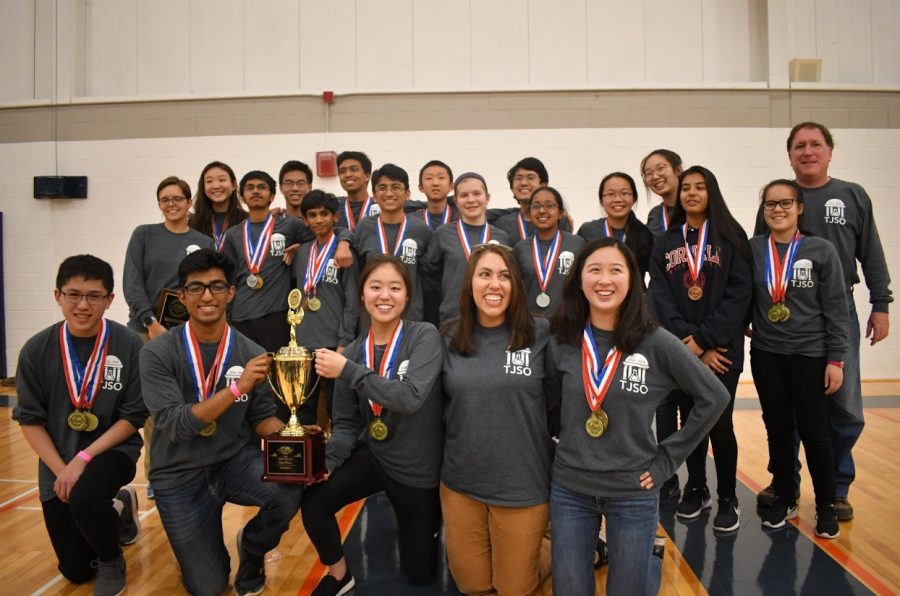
[[630, 529], [847, 411], [191, 514]]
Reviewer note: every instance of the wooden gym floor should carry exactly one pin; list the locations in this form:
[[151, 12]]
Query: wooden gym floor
[[751, 561]]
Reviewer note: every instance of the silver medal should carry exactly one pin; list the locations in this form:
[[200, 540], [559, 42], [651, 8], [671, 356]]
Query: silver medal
[[543, 300], [252, 281]]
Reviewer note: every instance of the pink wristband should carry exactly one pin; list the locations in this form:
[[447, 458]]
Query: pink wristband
[[234, 390], [87, 457]]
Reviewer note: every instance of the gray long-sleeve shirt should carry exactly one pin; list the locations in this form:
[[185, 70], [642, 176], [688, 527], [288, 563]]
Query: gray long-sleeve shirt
[[334, 324], [524, 252], [820, 321], [446, 257], [178, 451], [412, 404], [151, 264], [612, 464], [497, 447], [43, 396]]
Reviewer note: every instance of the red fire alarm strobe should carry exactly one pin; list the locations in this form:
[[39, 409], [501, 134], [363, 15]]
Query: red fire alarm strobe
[[326, 164]]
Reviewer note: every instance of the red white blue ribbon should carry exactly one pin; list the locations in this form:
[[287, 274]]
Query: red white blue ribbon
[[520, 224], [696, 257], [205, 383], [383, 241], [255, 252], [219, 235], [363, 213], [445, 217], [386, 370], [543, 267], [608, 230], [464, 239], [83, 382], [315, 264], [596, 379], [665, 218], [777, 271]]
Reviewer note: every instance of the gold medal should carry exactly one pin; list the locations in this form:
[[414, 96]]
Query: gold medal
[[210, 430], [596, 424], [77, 421], [378, 430], [314, 303], [92, 421], [254, 281], [774, 313], [695, 293]]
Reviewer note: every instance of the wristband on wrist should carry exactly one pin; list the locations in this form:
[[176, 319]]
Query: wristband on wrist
[[87, 457], [234, 390], [836, 363]]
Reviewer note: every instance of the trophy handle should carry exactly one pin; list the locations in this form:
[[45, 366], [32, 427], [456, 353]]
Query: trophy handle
[[271, 355]]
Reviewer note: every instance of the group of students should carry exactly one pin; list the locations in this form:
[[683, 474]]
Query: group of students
[[490, 378]]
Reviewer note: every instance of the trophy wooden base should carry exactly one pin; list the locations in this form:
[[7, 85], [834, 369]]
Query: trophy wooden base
[[294, 460]]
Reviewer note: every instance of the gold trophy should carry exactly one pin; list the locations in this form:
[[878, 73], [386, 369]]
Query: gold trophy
[[295, 454]]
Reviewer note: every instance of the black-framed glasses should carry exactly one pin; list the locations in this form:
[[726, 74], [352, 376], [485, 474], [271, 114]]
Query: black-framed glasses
[[261, 187], [294, 183], [625, 194], [783, 203], [197, 289], [77, 297], [545, 206], [171, 200]]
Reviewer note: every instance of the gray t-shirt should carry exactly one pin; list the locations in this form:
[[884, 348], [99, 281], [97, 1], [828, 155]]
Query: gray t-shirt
[[412, 402], [446, 257], [151, 264], [334, 324], [611, 465], [655, 218], [820, 320], [178, 451], [497, 447], [43, 396], [510, 223], [524, 252]]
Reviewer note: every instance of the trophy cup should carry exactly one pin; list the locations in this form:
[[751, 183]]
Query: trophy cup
[[294, 455]]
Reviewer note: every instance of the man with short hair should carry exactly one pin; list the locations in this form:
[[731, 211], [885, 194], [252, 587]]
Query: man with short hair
[[841, 212], [205, 386], [295, 179], [354, 171], [436, 183], [528, 175], [79, 408]]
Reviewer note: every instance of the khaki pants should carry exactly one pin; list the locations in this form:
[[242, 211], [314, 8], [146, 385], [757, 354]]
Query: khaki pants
[[495, 549]]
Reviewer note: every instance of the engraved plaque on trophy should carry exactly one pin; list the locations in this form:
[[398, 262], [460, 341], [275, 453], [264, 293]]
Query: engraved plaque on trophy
[[170, 312], [295, 454]]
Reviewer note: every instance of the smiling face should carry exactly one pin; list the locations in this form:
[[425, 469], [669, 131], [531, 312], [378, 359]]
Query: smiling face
[[660, 176], [294, 186], [471, 200], [694, 198], [544, 211], [384, 294], [524, 183], [390, 195], [781, 220], [436, 183], [605, 281], [491, 289], [257, 195], [173, 204], [206, 308], [218, 185], [352, 176], [617, 200], [83, 317], [810, 157]]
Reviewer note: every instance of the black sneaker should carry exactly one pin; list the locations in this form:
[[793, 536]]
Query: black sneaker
[[602, 557], [728, 518], [843, 509], [110, 579], [693, 502], [766, 497], [130, 521], [250, 579], [827, 522], [670, 491], [331, 586], [777, 515], [659, 547]]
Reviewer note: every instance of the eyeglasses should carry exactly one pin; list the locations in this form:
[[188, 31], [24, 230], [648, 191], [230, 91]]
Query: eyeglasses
[[625, 194], [527, 178], [395, 188], [262, 187], [294, 183], [785, 204], [197, 288], [657, 171], [544, 206], [76, 298], [171, 200]]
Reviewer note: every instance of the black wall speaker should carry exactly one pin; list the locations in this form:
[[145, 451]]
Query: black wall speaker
[[60, 187]]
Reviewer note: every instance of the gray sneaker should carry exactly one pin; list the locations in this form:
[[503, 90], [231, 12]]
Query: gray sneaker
[[110, 577], [130, 521]]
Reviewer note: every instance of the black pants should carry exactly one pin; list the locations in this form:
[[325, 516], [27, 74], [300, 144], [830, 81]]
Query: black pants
[[87, 527], [271, 331], [724, 443], [792, 396], [418, 512], [308, 412]]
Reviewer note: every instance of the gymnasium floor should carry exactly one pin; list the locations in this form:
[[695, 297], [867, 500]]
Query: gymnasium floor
[[865, 559]]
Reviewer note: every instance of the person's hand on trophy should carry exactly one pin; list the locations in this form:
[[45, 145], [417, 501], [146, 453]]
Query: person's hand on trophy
[[255, 372], [329, 363]]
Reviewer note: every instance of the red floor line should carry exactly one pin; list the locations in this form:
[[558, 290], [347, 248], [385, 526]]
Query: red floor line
[[831, 547], [21, 500], [345, 522]]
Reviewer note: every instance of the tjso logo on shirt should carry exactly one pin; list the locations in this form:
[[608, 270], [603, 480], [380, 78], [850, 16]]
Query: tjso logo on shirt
[[518, 363], [112, 374], [834, 212], [634, 374], [802, 275], [231, 376]]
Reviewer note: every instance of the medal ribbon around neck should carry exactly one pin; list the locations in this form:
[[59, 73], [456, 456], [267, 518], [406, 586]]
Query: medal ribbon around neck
[[219, 236], [386, 370], [315, 265], [445, 216], [255, 252], [205, 384], [520, 224], [363, 213], [778, 272], [464, 239], [84, 382], [608, 230], [382, 237], [665, 218], [544, 267], [697, 257], [596, 379]]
